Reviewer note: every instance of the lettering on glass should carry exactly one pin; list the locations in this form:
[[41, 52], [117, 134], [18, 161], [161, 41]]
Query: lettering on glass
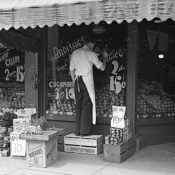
[[117, 78]]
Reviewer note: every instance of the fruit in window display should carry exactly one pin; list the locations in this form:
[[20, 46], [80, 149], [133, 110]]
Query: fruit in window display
[[152, 99], [104, 101], [3, 130]]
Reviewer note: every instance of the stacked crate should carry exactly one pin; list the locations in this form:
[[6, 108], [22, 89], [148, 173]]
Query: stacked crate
[[119, 145], [119, 153], [92, 144]]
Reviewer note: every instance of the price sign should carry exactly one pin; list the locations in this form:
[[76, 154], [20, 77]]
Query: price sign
[[14, 136], [117, 120], [12, 66], [18, 148], [117, 78], [69, 93]]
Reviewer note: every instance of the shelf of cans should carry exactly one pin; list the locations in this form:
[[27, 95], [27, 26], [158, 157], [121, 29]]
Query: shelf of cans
[[12, 96], [119, 135]]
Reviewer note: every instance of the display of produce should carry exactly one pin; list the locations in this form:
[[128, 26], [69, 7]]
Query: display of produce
[[153, 102], [6, 127], [66, 107], [33, 130], [39, 121], [6, 119], [11, 96], [21, 125], [5, 146], [105, 99]]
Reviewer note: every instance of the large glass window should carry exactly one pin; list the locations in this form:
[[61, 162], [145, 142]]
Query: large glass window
[[110, 85], [11, 79], [156, 75]]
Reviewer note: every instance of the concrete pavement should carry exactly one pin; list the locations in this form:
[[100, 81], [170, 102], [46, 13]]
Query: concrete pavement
[[152, 160]]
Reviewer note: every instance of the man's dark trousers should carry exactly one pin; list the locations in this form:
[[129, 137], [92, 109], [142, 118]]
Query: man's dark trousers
[[83, 108]]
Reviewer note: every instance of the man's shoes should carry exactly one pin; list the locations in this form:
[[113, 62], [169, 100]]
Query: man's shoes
[[77, 134], [88, 134]]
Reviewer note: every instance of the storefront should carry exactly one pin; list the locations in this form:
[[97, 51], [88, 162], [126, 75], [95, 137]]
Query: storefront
[[118, 28]]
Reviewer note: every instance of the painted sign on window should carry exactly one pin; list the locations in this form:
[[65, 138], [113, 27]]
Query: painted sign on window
[[12, 66]]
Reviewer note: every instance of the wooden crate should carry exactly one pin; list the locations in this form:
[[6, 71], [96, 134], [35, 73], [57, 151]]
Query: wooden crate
[[60, 139], [92, 144], [41, 148], [42, 154], [119, 153]]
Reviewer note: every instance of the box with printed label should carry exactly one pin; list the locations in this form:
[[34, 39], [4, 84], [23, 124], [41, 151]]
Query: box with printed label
[[41, 149]]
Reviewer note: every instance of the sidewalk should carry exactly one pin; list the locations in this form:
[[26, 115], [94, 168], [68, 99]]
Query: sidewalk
[[152, 160]]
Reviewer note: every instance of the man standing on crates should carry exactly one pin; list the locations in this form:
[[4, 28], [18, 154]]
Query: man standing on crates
[[81, 70]]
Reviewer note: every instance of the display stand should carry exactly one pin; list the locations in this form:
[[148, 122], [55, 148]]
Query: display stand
[[41, 148]]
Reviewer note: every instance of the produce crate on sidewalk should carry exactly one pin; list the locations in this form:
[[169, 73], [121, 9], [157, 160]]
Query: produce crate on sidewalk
[[92, 144], [41, 149], [119, 153]]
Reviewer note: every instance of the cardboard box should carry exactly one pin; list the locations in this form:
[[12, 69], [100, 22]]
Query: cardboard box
[[41, 148], [92, 144], [119, 153], [42, 153]]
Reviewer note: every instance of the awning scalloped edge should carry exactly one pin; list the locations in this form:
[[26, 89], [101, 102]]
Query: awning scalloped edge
[[87, 22]]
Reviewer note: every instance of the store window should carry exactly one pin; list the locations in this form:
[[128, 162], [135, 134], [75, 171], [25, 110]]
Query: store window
[[156, 75], [110, 85], [11, 79]]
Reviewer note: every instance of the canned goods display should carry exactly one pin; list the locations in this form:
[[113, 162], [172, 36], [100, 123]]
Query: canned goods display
[[118, 135]]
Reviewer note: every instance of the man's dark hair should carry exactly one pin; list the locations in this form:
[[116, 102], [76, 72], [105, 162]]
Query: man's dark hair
[[87, 39]]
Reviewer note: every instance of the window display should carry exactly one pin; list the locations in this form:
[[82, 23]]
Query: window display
[[154, 102], [110, 85], [11, 79], [155, 98]]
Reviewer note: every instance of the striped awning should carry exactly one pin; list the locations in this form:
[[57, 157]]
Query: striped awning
[[25, 13]]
